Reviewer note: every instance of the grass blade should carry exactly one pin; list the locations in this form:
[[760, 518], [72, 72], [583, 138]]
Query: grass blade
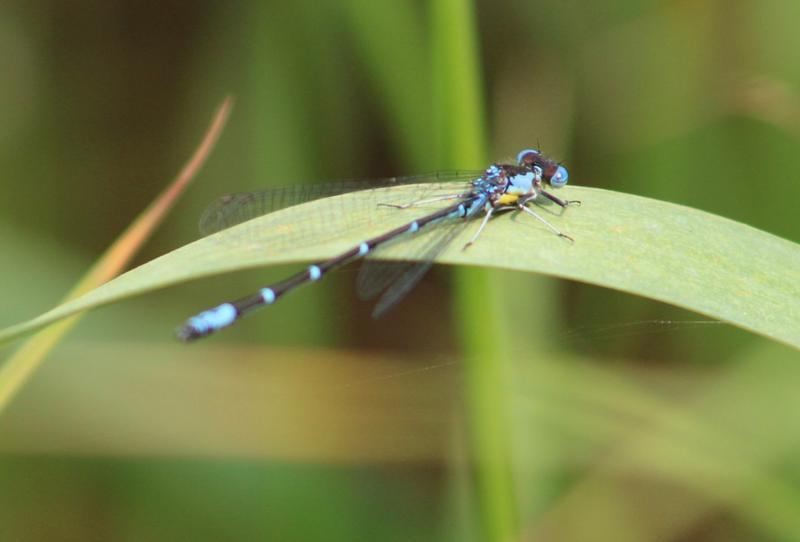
[[17, 369], [461, 129]]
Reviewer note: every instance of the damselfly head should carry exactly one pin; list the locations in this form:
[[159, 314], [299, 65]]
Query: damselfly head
[[559, 178], [552, 172], [528, 156]]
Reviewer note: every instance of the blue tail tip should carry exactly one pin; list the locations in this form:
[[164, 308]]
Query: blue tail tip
[[188, 334]]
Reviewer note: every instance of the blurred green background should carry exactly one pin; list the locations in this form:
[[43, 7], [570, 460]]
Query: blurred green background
[[313, 422]]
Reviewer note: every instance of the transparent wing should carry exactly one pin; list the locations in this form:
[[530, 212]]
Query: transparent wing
[[233, 209], [397, 279], [273, 234]]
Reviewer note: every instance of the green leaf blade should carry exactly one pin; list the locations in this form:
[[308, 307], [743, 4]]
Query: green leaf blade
[[682, 256]]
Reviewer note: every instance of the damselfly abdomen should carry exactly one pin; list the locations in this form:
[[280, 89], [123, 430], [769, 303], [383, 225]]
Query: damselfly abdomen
[[501, 187]]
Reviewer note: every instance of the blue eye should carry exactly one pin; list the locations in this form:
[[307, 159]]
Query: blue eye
[[559, 178], [522, 153]]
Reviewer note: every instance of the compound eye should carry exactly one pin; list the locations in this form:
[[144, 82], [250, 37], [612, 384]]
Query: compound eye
[[559, 178], [527, 156]]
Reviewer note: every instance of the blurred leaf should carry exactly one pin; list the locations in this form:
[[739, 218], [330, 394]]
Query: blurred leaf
[[675, 254], [390, 38], [460, 128], [16, 370]]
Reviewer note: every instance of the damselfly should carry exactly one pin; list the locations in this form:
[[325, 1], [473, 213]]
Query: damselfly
[[501, 187]]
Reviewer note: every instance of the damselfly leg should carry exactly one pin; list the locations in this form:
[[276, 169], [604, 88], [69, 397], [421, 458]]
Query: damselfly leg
[[564, 203], [525, 208], [474, 238]]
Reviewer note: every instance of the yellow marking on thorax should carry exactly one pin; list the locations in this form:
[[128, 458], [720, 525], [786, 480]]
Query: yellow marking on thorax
[[507, 199]]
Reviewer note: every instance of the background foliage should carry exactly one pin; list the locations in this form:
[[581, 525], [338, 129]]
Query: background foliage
[[313, 422]]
